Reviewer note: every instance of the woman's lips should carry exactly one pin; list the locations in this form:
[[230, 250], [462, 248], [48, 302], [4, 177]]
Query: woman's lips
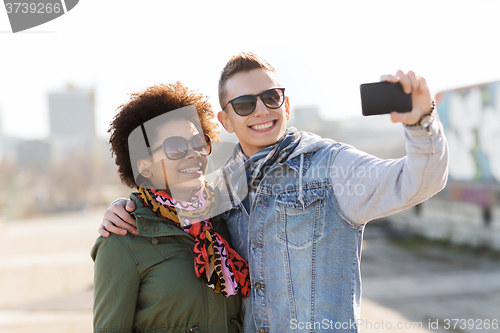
[[192, 170], [188, 170]]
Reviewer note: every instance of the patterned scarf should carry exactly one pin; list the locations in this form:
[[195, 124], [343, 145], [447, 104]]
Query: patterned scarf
[[257, 165], [224, 270]]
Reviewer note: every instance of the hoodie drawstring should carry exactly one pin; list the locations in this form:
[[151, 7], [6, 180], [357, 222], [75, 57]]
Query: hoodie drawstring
[[301, 190]]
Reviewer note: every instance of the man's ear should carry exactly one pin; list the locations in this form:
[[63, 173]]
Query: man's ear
[[224, 120], [287, 108], [143, 167]]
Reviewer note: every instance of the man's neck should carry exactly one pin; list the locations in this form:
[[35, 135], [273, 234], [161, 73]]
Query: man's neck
[[249, 151]]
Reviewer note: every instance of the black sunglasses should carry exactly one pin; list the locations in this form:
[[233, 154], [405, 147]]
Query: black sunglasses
[[246, 104], [176, 147]]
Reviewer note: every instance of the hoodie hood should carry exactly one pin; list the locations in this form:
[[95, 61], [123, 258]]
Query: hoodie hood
[[310, 143]]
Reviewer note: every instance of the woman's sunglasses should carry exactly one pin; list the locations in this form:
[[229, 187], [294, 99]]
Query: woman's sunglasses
[[246, 104], [176, 147]]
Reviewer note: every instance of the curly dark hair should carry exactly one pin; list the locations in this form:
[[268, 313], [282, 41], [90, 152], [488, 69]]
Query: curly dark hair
[[146, 105]]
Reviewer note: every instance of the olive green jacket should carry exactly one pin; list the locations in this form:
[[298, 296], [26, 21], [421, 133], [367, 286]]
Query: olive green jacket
[[147, 283]]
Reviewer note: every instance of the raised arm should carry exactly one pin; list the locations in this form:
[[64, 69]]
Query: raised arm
[[373, 187]]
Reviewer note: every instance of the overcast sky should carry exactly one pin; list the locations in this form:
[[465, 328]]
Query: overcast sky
[[323, 50]]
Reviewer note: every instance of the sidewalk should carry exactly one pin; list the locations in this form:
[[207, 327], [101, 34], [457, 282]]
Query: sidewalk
[[46, 273], [445, 290]]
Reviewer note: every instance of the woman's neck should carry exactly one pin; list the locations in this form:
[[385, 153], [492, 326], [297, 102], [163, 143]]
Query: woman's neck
[[182, 195]]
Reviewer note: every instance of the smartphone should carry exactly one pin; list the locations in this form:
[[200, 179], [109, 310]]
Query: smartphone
[[384, 97]]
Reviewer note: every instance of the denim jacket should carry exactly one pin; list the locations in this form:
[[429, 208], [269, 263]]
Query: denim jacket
[[302, 237]]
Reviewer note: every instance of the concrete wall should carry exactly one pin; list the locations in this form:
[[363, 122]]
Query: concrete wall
[[461, 223]]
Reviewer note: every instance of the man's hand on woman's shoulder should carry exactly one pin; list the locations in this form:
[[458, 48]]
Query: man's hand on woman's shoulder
[[118, 220]]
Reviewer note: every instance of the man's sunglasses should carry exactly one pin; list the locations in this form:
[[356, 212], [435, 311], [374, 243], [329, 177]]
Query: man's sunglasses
[[246, 104], [176, 147]]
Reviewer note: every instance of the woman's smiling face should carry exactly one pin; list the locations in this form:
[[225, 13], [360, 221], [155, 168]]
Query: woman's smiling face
[[184, 175]]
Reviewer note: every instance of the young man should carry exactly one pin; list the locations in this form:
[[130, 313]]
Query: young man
[[300, 228]]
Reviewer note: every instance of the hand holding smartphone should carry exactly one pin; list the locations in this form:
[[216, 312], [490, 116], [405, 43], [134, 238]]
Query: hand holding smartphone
[[384, 97]]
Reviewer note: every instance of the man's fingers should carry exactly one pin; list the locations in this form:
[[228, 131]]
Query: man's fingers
[[119, 210], [395, 118], [422, 84], [398, 117], [111, 227], [410, 82], [405, 81], [389, 78], [118, 220], [130, 206], [403, 117], [103, 231], [118, 226], [421, 99], [413, 80]]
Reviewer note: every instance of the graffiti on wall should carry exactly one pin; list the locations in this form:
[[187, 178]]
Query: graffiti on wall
[[471, 119]]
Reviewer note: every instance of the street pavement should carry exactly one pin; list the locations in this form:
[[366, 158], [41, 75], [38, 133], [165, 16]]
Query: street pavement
[[446, 289]]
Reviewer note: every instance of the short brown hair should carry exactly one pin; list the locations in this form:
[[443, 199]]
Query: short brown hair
[[243, 61], [146, 105]]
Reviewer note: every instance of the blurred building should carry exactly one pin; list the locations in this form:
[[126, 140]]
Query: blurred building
[[34, 154], [2, 140], [72, 122], [72, 169], [73, 145], [307, 118]]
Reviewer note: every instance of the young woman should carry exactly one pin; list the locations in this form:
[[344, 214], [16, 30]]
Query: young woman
[[178, 274]]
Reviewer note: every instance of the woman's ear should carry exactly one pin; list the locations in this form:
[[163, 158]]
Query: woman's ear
[[224, 120], [143, 167]]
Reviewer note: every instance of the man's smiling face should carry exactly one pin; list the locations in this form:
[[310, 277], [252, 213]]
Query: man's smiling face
[[264, 126]]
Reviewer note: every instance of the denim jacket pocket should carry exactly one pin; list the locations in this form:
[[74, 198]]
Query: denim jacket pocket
[[300, 222]]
